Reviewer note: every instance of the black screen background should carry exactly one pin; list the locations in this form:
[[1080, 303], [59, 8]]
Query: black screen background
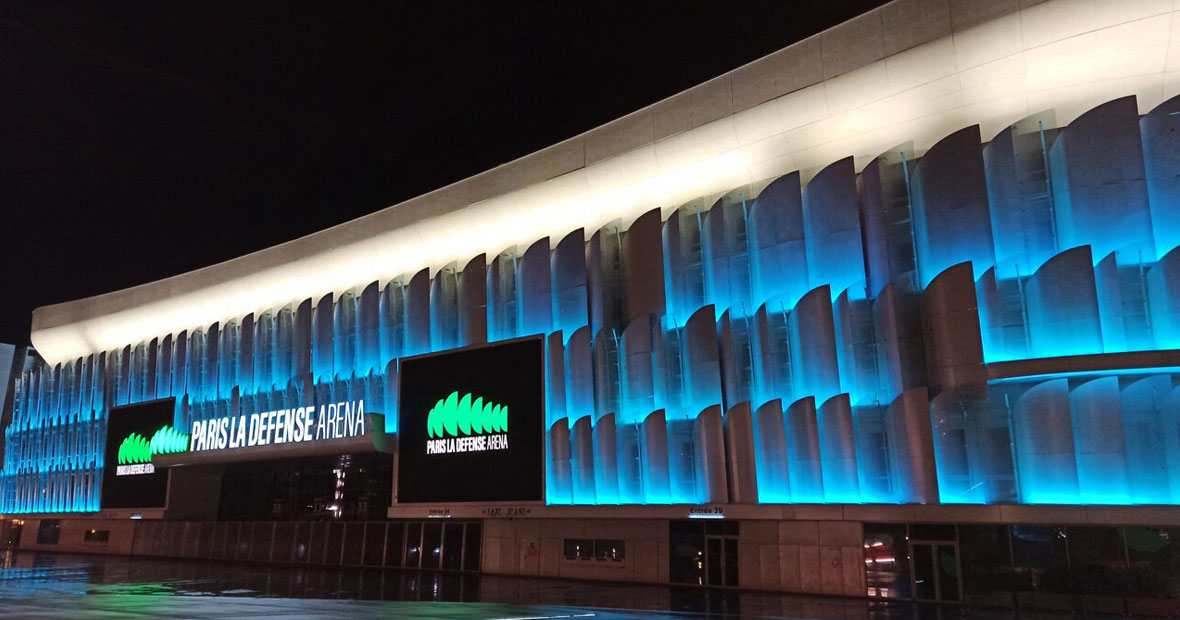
[[511, 374], [143, 490]]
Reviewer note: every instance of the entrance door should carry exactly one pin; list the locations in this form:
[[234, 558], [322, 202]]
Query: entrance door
[[12, 535], [432, 545], [936, 571], [703, 552], [721, 560]]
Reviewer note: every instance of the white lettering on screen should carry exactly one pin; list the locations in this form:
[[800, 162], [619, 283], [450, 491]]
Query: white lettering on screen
[[300, 424]]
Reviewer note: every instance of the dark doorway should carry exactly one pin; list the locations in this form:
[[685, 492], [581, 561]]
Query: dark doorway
[[704, 553]]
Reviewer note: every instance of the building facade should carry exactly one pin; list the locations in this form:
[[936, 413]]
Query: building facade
[[892, 312]]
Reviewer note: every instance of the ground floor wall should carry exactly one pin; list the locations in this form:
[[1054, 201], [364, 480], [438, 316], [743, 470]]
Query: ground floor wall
[[817, 557], [1081, 565]]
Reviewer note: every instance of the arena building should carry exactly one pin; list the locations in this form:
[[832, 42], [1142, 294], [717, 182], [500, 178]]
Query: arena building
[[892, 312]]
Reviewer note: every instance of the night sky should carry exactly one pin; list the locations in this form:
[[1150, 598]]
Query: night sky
[[138, 141]]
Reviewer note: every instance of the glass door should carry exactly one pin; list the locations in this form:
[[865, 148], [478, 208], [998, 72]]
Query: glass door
[[936, 571], [432, 545], [721, 561]]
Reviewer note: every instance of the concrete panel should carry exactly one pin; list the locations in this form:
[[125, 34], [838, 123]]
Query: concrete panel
[[768, 565], [798, 532], [790, 574], [811, 577], [672, 115], [491, 553], [711, 101], [799, 65], [621, 135], [988, 41], [754, 83], [761, 532], [853, 44], [551, 557], [852, 561], [907, 23], [840, 534], [749, 566], [967, 13], [831, 568]]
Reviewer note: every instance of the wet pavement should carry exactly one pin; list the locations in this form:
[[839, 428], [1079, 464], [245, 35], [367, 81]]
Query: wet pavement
[[52, 586]]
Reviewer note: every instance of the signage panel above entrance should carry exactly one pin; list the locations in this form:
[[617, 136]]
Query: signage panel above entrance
[[471, 425]]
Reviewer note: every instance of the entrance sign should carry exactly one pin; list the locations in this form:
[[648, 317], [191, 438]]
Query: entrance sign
[[301, 424]]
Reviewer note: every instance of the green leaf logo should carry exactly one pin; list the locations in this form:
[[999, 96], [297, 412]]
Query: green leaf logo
[[134, 449], [465, 414], [168, 440], [138, 449]]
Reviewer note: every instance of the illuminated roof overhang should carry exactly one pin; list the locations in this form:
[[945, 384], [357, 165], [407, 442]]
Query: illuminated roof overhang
[[693, 144]]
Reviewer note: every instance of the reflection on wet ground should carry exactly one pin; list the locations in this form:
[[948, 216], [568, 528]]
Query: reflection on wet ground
[[38, 585]]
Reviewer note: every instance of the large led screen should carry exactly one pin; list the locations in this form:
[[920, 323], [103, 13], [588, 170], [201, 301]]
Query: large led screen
[[471, 425], [134, 432]]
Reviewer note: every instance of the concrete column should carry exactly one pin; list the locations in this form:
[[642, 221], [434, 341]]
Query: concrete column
[[771, 443], [606, 471], [558, 477], [568, 270], [1043, 437], [473, 302], [656, 488], [837, 440], [1161, 155], [804, 466], [1099, 187], [712, 486], [643, 267], [778, 254], [813, 338], [952, 223], [1163, 293], [582, 461], [418, 314], [916, 476], [535, 290], [831, 216], [739, 444], [951, 334], [1063, 314], [368, 342], [1099, 444], [1153, 457]]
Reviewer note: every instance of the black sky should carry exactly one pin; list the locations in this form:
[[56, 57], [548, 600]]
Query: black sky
[[142, 140]]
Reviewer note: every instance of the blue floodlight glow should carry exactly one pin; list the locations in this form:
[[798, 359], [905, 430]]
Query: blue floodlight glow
[[810, 294]]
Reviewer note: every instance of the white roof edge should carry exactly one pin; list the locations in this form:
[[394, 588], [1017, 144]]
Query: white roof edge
[[555, 190]]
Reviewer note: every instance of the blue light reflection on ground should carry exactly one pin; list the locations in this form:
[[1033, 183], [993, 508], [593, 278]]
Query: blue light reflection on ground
[[82, 587]]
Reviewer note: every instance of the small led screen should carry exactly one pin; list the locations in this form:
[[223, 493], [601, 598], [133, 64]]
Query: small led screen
[[471, 425], [134, 433]]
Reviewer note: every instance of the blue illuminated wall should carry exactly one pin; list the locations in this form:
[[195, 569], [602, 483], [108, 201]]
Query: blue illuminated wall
[[795, 340]]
